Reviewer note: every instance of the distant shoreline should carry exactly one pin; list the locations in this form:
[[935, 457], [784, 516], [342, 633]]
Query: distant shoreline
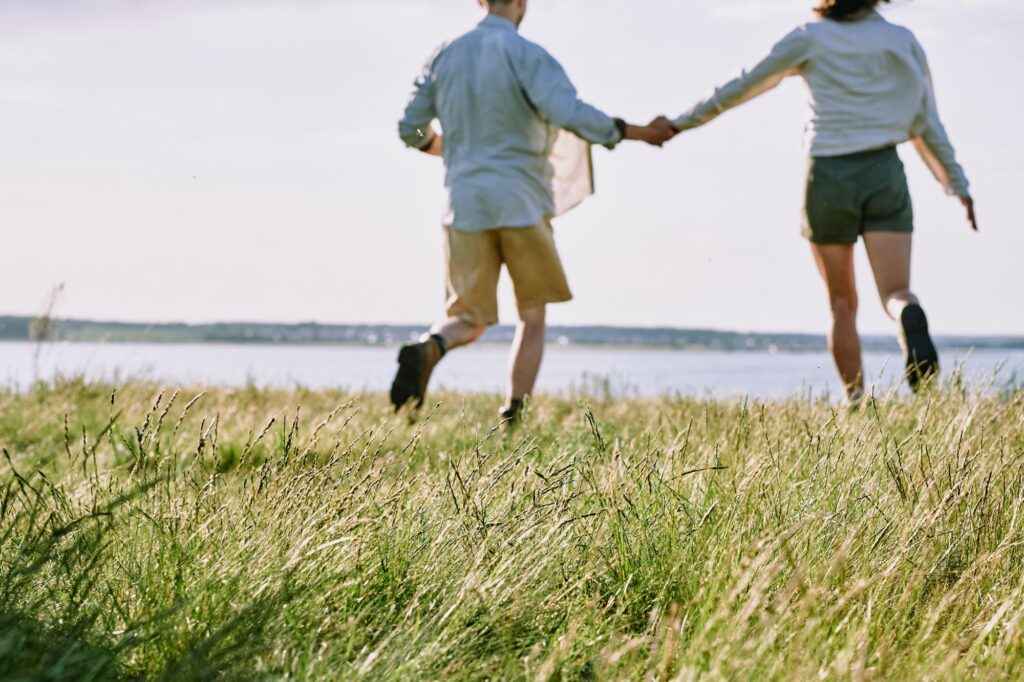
[[25, 329], [871, 345]]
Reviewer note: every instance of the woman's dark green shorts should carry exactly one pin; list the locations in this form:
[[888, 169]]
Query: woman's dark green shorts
[[856, 193]]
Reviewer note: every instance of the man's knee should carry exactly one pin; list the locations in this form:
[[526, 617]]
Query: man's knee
[[475, 331], [532, 317], [457, 331]]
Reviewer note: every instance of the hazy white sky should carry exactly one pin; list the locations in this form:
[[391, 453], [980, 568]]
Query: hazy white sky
[[207, 160]]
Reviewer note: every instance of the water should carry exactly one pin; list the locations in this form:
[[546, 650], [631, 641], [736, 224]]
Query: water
[[623, 371]]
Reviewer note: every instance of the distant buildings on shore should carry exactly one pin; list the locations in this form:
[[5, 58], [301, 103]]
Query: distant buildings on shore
[[24, 329]]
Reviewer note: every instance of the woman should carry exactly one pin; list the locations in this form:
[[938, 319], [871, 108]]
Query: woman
[[870, 90]]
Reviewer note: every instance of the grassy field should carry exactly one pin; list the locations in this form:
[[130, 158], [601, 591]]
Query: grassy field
[[250, 534]]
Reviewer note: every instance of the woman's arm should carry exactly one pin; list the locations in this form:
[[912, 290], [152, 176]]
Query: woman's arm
[[785, 59], [932, 143], [931, 140]]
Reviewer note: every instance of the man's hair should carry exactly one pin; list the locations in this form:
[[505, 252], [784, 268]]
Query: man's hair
[[841, 10], [493, 3]]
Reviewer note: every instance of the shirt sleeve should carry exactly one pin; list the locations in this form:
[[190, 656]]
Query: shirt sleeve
[[553, 95], [932, 142], [785, 59], [415, 128]]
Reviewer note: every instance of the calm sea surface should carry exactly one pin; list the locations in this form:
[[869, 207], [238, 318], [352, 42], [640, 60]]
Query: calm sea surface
[[625, 372]]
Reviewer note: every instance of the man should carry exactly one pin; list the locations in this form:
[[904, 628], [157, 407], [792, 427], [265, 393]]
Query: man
[[502, 102]]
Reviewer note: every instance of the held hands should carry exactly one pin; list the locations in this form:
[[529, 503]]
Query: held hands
[[656, 133], [659, 131], [664, 127]]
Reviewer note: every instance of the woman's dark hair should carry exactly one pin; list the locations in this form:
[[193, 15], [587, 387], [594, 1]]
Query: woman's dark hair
[[841, 10]]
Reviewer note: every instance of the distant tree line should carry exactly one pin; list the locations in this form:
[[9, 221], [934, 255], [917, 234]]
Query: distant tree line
[[34, 329]]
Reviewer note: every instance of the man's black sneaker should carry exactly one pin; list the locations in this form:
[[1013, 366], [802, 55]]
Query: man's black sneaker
[[510, 414], [922, 360], [416, 362]]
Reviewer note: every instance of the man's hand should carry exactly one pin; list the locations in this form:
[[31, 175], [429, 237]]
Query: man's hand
[[656, 133], [436, 146], [968, 203]]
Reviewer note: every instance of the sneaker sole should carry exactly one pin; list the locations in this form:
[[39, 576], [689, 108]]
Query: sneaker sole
[[922, 359]]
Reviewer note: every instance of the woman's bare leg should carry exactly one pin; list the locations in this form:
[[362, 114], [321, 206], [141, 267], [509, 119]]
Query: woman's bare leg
[[889, 253], [835, 263]]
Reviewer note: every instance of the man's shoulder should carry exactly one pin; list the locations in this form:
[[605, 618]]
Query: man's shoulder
[[519, 48], [529, 51], [480, 32], [460, 41], [470, 35]]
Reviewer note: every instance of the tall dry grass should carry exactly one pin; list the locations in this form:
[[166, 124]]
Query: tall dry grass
[[247, 534]]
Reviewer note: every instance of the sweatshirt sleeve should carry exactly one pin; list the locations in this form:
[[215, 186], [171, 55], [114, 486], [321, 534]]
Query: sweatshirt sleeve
[[930, 138], [785, 59]]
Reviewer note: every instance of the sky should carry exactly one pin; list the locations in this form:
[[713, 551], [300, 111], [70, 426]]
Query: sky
[[204, 160]]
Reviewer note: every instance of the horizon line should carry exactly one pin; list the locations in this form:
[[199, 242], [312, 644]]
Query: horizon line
[[599, 325]]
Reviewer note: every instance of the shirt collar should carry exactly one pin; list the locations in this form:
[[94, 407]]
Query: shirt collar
[[494, 21]]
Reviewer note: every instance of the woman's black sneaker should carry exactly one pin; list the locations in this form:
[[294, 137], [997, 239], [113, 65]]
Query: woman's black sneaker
[[922, 360]]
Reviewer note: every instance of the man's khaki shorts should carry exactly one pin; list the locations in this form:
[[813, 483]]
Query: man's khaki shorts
[[474, 264]]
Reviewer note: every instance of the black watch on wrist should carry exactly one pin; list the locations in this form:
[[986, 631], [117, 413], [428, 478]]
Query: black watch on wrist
[[621, 126], [425, 147]]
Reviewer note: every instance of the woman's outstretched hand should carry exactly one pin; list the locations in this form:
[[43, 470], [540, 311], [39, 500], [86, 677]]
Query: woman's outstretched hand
[[968, 203]]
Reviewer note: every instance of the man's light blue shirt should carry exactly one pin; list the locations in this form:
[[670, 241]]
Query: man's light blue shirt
[[501, 101]]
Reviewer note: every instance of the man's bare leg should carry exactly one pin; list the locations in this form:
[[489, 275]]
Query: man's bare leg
[[835, 263], [527, 354], [457, 332], [416, 361]]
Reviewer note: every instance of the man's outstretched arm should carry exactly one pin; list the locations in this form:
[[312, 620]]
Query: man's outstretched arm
[[549, 89]]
